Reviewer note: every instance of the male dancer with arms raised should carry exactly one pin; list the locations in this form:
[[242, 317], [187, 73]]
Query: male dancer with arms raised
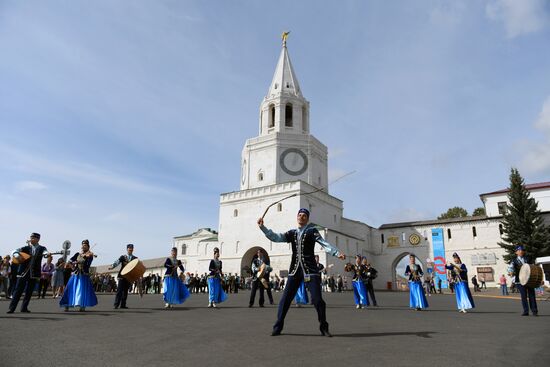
[[302, 267]]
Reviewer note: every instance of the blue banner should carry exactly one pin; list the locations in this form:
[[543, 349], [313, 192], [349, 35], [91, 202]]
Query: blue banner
[[438, 245]]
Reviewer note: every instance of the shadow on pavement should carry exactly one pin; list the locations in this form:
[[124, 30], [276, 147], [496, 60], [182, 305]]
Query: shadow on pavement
[[421, 334]]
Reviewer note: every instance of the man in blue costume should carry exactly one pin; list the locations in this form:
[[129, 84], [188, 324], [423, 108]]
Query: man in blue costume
[[303, 267]]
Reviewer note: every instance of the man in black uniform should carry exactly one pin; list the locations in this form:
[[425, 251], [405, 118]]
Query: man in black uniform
[[370, 274], [303, 267], [320, 266], [256, 283], [526, 292], [28, 272], [123, 285]]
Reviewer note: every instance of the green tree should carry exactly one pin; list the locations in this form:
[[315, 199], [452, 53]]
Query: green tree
[[456, 212], [523, 223], [479, 212]]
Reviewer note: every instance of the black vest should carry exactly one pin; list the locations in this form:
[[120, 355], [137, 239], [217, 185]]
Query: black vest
[[34, 264], [303, 249]]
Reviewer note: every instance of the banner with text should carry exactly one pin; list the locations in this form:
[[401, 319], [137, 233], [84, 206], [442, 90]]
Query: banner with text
[[439, 257]]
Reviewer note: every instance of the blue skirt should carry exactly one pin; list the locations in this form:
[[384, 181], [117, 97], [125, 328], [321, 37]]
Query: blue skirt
[[417, 296], [464, 298], [215, 291], [301, 295], [79, 292], [174, 291], [360, 293]]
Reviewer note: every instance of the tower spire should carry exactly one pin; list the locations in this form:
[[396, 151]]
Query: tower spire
[[284, 79]]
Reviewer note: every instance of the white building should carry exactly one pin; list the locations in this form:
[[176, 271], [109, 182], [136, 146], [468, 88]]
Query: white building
[[284, 160]]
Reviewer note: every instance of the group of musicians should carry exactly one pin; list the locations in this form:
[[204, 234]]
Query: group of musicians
[[304, 275]]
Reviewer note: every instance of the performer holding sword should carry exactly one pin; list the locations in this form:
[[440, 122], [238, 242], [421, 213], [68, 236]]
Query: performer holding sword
[[302, 267]]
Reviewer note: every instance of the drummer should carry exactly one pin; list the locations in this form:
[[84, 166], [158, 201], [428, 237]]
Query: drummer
[[123, 284], [526, 292], [256, 284]]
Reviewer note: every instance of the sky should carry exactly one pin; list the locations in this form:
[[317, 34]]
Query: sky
[[122, 121]]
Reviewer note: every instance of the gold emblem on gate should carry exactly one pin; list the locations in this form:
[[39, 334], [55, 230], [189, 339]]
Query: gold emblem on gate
[[414, 239]]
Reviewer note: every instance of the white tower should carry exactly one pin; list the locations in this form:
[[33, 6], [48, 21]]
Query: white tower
[[284, 151]]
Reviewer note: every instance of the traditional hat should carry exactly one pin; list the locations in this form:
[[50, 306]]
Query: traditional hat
[[520, 248], [305, 211], [36, 235], [85, 242], [130, 245]]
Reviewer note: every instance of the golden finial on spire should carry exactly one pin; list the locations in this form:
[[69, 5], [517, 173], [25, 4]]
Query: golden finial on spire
[[284, 36]]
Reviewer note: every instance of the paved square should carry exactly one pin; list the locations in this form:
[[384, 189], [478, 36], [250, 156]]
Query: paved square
[[494, 334]]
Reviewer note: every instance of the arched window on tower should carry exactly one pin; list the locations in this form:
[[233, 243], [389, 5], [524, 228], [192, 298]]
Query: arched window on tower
[[235, 213], [304, 119], [184, 249], [500, 229], [260, 176], [279, 207], [271, 116], [288, 115]]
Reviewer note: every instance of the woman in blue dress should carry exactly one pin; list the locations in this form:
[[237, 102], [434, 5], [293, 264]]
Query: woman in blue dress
[[79, 291], [301, 297], [459, 274], [215, 291], [358, 282], [417, 299], [173, 290]]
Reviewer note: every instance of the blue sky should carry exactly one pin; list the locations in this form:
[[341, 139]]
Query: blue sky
[[123, 121]]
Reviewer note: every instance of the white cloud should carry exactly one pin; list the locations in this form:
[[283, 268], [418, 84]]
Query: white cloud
[[408, 215], [519, 16], [448, 13], [536, 154], [543, 120], [23, 186], [72, 171]]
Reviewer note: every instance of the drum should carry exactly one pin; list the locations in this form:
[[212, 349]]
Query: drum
[[133, 270], [530, 276], [23, 258]]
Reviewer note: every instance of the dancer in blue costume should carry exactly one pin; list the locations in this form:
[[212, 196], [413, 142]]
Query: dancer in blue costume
[[215, 291], [418, 299], [79, 291], [301, 295], [358, 282], [173, 290], [459, 274]]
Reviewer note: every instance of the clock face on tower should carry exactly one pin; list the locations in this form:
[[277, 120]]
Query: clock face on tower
[[293, 161]]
